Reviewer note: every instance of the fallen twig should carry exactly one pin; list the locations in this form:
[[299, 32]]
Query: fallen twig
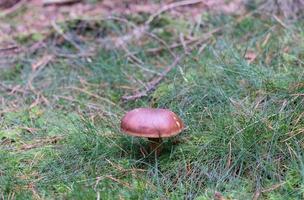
[[9, 48], [118, 181], [92, 95], [42, 62], [52, 2], [12, 89], [59, 30], [36, 68], [89, 105], [186, 42], [28, 129], [161, 41], [274, 187], [297, 94], [99, 178], [139, 63], [41, 142], [152, 84], [7, 111], [280, 21], [11, 51], [13, 9], [171, 6], [228, 164], [184, 45]]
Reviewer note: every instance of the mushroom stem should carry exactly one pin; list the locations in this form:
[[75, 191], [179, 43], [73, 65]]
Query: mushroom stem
[[155, 145]]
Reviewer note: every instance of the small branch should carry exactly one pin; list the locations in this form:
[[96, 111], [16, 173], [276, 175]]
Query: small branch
[[42, 62], [298, 94], [274, 187], [197, 40], [171, 6], [9, 48], [41, 142], [136, 61], [184, 45], [228, 164], [152, 84], [61, 2], [280, 21], [36, 69], [13, 9], [99, 178], [12, 89], [92, 95], [161, 41], [59, 30]]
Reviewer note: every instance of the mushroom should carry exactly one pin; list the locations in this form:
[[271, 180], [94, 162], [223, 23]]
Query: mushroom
[[152, 123]]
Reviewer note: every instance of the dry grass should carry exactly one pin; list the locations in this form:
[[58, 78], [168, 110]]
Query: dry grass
[[239, 89]]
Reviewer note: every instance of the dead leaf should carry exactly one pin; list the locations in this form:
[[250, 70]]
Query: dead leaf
[[250, 56]]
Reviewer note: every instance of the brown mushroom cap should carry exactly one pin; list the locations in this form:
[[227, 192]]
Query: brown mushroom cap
[[151, 123]]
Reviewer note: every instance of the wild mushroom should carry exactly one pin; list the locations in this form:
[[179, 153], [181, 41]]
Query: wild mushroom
[[152, 123]]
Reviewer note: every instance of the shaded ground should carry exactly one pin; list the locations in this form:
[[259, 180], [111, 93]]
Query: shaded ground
[[238, 86], [32, 16]]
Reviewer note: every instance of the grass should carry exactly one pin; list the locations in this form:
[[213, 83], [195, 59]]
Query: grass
[[244, 120]]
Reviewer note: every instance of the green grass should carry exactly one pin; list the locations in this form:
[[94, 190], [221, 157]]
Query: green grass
[[244, 121]]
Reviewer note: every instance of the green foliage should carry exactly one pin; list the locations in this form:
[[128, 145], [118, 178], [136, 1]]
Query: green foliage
[[244, 121]]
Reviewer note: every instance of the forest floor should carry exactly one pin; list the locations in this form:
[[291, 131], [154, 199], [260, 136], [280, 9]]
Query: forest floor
[[235, 76]]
